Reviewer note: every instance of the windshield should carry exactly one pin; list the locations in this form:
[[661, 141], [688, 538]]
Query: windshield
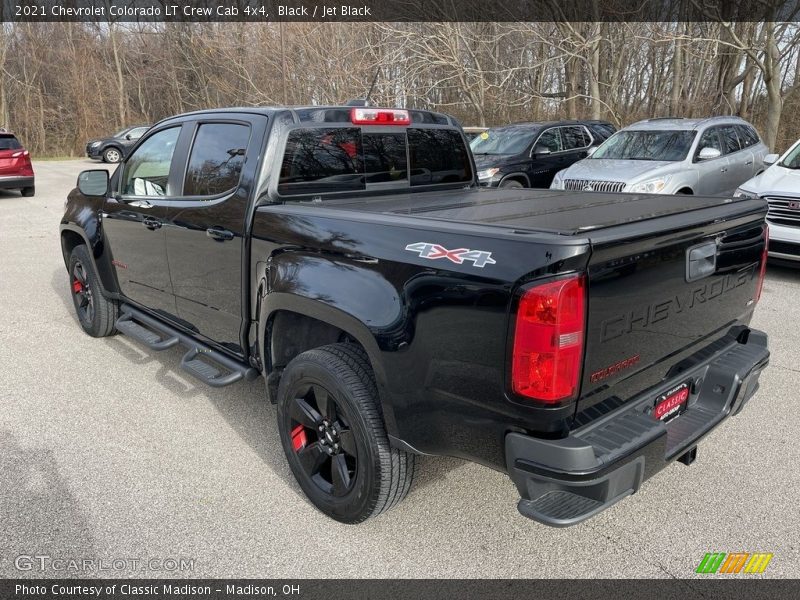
[[792, 160], [121, 132], [502, 141], [647, 145]]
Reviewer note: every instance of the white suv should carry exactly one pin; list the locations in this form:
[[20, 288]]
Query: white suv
[[706, 157], [780, 186]]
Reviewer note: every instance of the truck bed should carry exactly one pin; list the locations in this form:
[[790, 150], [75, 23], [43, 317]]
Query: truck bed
[[564, 213]]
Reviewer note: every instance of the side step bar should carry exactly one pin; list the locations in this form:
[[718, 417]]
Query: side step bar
[[201, 362]]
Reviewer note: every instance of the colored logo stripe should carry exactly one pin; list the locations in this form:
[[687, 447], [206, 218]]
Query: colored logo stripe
[[758, 563], [711, 562], [734, 562]]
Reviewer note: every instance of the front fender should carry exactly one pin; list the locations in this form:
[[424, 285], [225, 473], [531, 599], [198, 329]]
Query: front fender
[[82, 218]]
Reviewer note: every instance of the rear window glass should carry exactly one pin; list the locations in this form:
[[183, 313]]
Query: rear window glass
[[9, 142], [322, 160], [385, 157], [326, 160], [437, 156]]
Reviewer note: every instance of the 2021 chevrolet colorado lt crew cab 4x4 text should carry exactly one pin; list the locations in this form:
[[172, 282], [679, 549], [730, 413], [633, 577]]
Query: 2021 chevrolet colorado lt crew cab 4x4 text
[[579, 342]]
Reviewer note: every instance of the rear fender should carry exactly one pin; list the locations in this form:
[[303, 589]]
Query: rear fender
[[330, 300]]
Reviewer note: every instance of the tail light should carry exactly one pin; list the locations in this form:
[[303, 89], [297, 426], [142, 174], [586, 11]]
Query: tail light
[[763, 273], [548, 341], [379, 116]]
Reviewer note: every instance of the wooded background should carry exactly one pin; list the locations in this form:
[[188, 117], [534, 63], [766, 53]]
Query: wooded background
[[64, 83]]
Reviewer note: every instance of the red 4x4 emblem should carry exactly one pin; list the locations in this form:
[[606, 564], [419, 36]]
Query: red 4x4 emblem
[[480, 258]]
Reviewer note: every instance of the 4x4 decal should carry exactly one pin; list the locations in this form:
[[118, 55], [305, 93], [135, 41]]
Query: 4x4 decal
[[480, 258]]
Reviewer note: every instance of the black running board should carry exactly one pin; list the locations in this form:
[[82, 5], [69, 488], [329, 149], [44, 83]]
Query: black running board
[[201, 362]]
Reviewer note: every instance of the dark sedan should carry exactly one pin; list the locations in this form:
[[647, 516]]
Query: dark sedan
[[113, 149], [530, 154]]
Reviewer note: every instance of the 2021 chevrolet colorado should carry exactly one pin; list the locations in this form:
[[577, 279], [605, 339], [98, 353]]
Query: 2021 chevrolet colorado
[[579, 342]]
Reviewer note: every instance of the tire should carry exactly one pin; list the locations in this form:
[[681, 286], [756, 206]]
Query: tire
[[112, 155], [511, 184], [28, 192], [96, 314], [332, 431]]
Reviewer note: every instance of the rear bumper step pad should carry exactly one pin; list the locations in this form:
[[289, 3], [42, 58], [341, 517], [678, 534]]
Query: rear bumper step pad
[[200, 361]]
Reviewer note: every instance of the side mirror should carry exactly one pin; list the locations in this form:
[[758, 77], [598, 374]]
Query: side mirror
[[93, 182], [541, 151], [591, 151], [771, 159], [708, 153], [128, 136]]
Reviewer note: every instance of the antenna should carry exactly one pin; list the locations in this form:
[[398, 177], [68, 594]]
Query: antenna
[[372, 87], [365, 101]]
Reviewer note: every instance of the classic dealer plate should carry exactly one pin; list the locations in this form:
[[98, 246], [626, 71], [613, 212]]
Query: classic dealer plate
[[673, 403]]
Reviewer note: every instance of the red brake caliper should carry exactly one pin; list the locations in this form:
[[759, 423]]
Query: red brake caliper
[[299, 439], [77, 286]]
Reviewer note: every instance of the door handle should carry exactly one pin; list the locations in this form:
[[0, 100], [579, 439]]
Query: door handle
[[151, 223], [723, 170], [748, 163], [140, 204], [219, 235]]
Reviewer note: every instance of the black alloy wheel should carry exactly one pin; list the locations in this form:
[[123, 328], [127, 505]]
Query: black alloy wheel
[[322, 438]]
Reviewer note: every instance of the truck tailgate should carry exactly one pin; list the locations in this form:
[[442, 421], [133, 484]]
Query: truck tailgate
[[662, 289]]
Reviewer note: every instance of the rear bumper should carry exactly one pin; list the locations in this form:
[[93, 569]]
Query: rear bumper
[[563, 482], [11, 182]]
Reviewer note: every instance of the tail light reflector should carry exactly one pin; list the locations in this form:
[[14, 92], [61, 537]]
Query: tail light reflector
[[379, 116], [763, 273], [548, 341]]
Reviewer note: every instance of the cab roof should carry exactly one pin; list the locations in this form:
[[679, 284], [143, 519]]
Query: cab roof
[[323, 114]]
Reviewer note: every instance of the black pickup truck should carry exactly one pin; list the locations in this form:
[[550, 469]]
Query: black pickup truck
[[579, 342]]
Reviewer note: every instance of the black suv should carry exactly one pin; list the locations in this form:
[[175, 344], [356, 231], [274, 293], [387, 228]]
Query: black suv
[[530, 154], [113, 149]]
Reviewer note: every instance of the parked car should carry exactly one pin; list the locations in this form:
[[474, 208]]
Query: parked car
[[710, 157], [779, 185], [473, 132], [393, 308], [113, 149], [16, 170], [530, 154]]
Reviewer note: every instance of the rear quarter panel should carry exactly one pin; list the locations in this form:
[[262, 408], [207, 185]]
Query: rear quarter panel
[[435, 331]]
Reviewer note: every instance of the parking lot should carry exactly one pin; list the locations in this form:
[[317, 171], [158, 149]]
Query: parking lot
[[109, 451]]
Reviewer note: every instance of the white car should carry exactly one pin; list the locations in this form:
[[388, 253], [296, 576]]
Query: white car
[[780, 186]]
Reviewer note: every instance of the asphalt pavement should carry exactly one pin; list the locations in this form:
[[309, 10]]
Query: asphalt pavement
[[109, 452]]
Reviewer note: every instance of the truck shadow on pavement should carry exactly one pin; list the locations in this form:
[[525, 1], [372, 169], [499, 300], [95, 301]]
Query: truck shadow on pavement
[[244, 405], [38, 513]]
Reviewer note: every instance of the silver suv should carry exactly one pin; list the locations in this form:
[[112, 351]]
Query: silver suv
[[671, 156]]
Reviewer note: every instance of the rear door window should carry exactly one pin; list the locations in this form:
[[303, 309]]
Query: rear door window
[[9, 142], [216, 159], [730, 141]]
